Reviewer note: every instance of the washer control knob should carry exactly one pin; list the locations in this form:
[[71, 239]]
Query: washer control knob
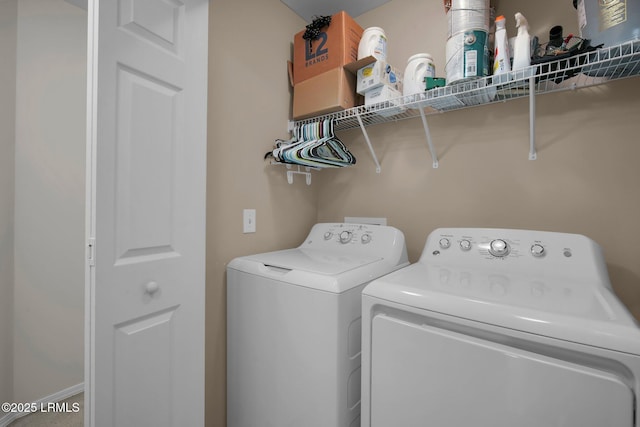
[[465, 244], [366, 238], [537, 250], [444, 243], [499, 248], [328, 235], [345, 237]]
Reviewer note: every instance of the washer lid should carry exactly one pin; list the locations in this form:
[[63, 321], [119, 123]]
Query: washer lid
[[314, 261], [571, 310]]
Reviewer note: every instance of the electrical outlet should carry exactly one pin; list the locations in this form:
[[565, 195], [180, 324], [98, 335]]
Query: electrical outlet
[[249, 221]]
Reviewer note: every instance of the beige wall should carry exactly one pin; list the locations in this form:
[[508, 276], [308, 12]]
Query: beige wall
[[249, 101], [8, 19], [49, 198], [584, 181]]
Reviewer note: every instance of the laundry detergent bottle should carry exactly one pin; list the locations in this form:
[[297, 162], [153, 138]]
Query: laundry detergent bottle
[[373, 43], [419, 66]]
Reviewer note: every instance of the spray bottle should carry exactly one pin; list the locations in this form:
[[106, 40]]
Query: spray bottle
[[501, 61], [522, 45]]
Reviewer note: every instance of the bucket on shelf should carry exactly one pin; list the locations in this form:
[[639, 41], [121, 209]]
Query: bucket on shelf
[[467, 56], [468, 15], [467, 50]]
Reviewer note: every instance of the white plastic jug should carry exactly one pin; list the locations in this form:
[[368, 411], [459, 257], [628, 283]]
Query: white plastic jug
[[373, 43], [419, 66]]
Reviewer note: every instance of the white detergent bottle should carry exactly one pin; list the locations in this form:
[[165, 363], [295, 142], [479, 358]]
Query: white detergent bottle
[[373, 43], [502, 60], [419, 66], [522, 45]]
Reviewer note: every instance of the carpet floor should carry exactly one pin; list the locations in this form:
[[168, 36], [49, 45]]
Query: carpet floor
[[56, 419]]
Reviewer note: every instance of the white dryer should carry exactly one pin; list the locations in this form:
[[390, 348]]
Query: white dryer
[[294, 326], [499, 328]]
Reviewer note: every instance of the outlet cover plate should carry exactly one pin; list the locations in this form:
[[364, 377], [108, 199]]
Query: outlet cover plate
[[249, 221]]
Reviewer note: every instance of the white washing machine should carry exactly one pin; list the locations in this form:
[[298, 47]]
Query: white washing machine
[[294, 326], [499, 328]]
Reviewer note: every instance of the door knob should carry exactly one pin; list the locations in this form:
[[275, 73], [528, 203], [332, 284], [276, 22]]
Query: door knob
[[151, 288]]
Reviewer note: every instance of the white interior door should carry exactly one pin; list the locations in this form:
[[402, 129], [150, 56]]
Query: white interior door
[[146, 221]]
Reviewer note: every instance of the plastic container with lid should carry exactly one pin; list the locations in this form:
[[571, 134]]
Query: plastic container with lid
[[608, 22], [373, 43], [419, 66], [467, 56]]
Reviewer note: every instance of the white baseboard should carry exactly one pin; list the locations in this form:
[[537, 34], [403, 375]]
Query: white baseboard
[[55, 397]]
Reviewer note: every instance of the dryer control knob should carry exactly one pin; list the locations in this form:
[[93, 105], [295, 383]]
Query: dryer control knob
[[537, 250], [465, 244], [328, 235], [444, 243], [345, 237], [366, 238], [499, 248]]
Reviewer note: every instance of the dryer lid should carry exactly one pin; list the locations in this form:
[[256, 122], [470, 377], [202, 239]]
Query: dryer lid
[[570, 310], [314, 261]]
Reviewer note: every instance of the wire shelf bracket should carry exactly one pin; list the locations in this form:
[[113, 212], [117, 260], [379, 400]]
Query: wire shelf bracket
[[434, 156], [533, 155], [291, 173], [368, 141]]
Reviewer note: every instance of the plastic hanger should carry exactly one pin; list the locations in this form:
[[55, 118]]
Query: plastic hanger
[[313, 145]]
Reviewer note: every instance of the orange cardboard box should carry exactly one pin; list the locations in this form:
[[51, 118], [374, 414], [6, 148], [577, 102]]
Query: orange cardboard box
[[336, 46], [331, 91]]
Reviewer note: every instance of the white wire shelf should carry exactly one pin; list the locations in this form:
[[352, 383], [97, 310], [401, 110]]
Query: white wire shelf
[[587, 69], [579, 71]]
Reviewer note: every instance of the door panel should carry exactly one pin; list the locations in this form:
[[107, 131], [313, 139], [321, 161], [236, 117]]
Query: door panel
[[160, 23], [147, 118], [143, 347], [146, 221]]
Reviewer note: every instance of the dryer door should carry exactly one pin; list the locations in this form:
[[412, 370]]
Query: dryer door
[[424, 375]]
